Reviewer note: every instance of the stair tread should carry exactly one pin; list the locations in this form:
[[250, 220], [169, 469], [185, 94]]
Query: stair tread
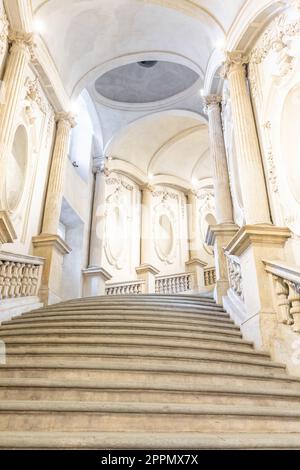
[[127, 407], [127, 440], [167, 386]]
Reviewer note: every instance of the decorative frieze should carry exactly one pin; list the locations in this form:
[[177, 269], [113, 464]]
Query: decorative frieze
[[277, 38]]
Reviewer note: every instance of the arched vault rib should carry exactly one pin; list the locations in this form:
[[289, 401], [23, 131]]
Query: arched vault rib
[[187, 7], [172, 141]]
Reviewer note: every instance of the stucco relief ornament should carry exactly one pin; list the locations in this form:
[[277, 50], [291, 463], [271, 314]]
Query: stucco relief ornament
[[233, 61], [3, 30], [165, 195]]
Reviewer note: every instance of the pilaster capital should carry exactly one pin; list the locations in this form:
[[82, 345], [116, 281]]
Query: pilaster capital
[[234, 60], [66, 119], [211, 102], [99, 166], [21, 41], [147, 187]]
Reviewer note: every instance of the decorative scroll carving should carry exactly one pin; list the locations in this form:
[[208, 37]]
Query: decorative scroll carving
[[174, 284], [119, 182], [271, 167], [235, 276], [164, 194], [277, 38]]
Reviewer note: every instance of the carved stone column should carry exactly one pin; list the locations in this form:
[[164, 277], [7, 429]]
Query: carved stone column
[[251, 173], [98, 217], [13, 82], [219, 235], [95, 276], [224, 213], [195, 264], [146, 271], [52, 210], [48, 244]]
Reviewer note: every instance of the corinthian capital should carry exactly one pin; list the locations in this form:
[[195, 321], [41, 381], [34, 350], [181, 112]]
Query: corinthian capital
[[234, 60], [65, 118], [211, 101], [21, 38]]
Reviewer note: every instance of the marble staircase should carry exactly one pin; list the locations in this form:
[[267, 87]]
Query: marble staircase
[[147, 371]]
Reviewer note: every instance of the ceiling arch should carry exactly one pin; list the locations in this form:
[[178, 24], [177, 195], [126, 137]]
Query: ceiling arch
[[93, 32], [167, 143]]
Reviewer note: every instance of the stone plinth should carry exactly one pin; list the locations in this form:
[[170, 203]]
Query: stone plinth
[[94, 279], [251, 244], [53, 248], [218, 236], [196, 267], [147, 273]]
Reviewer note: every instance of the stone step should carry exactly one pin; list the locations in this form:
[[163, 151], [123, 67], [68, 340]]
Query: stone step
[[122, 328], [123, 392], [115, 336], [117, 313], [157, 440], [144, 417], [141, 373], [141, 306], [112, 321], [152, 364], [137, 350], [155, 299]]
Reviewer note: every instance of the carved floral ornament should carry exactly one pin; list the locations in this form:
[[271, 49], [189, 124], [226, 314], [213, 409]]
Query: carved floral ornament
[[211, 102], [3, 30], [277, 38]]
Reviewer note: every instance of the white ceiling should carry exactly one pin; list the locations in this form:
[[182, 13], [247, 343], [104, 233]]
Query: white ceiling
[[90, 38]]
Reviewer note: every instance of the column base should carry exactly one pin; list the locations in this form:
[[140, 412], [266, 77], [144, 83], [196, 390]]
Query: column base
[[252, 244], [147, 273], [53, 249], [94, 279], [218, 236], [196, 267], [7, 231]]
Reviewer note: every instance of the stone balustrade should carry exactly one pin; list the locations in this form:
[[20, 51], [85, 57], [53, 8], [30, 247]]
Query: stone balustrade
[[209, 277], [125, 288], [20, 276], [174, 284], [235, 276], [286, 284]]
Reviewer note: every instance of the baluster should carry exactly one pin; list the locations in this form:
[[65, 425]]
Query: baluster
[[283, 302], [7, 279], [294, 298], [2, 277]]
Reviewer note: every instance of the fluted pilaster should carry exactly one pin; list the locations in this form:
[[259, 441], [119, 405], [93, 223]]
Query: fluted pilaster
[[193, 230], [98, 218], [224, 213], [13, 82], [146, 225], [250, 166], [57, 173]]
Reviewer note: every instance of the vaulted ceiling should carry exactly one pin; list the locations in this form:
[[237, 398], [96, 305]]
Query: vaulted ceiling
[[141, 60]]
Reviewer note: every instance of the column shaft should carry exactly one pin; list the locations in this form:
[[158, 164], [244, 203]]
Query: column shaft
[[224, 212], [98, 220], [13, 82], [250, 166], [146, 227], [57, 174]]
